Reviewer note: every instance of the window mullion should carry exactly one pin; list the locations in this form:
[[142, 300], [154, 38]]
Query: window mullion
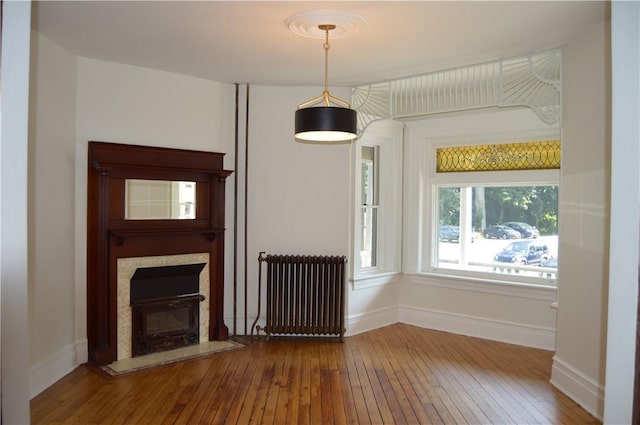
[[466, 227]]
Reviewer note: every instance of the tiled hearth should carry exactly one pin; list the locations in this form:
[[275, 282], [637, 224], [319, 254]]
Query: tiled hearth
[[126, 267], [166, 357]]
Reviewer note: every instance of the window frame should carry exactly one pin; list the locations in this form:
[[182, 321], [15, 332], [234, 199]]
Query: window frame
[[372, 206], [432, 264], [387, 137], [428, 258]]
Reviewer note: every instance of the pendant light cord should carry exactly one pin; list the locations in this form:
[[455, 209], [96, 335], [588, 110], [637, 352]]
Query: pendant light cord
[[325, 97], [325, 93]]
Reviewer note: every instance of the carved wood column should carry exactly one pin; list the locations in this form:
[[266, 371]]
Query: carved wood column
[[98, 294], [218, 330]]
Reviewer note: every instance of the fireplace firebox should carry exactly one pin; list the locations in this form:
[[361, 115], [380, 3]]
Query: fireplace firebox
[[165, 308]]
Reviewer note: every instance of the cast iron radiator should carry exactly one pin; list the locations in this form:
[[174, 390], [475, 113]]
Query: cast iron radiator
[[305, 294]]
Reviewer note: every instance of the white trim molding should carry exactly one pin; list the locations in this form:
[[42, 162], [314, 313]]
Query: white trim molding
[[378, 279], [487, 286], [480, 327], [532, 81], [360, 323], [579, 387], [386, 137], [45, 373]]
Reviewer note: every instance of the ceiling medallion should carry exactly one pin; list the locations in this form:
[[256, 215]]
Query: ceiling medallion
[[306, 24]]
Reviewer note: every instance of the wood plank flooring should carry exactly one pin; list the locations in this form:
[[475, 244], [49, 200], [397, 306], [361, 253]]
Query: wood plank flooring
[[400, 374]]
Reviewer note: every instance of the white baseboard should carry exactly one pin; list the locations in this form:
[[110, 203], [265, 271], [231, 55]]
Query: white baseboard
[[45, 373], [480, 327], [579, 387], [357, 324]]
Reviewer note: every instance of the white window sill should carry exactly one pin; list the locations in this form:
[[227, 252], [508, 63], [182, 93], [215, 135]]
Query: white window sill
[[364, 281], [511, 289]]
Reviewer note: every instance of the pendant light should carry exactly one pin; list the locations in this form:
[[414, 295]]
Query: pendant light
[[325, 123]]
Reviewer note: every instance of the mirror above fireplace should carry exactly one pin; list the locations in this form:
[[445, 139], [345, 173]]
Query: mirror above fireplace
[[159, 200]]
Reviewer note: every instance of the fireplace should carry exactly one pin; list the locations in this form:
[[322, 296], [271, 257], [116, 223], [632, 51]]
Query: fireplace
[[117, 236], [165, 308], [128, 267]]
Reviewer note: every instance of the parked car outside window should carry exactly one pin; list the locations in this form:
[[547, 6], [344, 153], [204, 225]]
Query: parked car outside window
[[526, 230], [449, 234], [501, 232], [523, 253], [550, 262], [452, 234]]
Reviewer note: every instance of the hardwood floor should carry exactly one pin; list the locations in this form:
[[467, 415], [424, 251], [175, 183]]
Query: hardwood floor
[[396, 375]]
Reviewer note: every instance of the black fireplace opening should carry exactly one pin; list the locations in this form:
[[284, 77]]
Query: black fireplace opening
[[165, 304]]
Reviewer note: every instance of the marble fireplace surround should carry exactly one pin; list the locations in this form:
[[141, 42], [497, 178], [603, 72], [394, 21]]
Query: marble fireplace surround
[[126, 268]]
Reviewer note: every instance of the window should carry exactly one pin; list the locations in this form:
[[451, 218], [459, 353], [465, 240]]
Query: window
[[494, 210], [369, 208], [377, 213], [457, 170], [509, 231]]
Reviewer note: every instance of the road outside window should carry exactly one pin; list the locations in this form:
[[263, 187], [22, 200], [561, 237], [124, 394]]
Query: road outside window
[[510, 232]]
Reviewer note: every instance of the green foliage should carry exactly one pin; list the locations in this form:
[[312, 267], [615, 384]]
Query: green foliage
[[449, 207], [536, 205]]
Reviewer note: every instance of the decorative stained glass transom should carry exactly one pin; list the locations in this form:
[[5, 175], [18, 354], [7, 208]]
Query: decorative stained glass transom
[[540, 155]]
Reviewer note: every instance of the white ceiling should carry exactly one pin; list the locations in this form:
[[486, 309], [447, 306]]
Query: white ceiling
[[248, 41]]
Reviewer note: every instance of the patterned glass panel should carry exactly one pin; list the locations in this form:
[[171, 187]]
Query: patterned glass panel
[[541, 155]]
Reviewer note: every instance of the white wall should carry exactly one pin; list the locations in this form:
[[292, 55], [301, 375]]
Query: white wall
[[14, 95], [129, 104], [299, 193], [494, 311], [625, 213], [578, 367], [373, 293], [373, 303], [51, 213]]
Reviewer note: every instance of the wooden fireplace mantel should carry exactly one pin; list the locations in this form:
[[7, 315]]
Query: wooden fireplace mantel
[[110, 236], [122, 235]]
